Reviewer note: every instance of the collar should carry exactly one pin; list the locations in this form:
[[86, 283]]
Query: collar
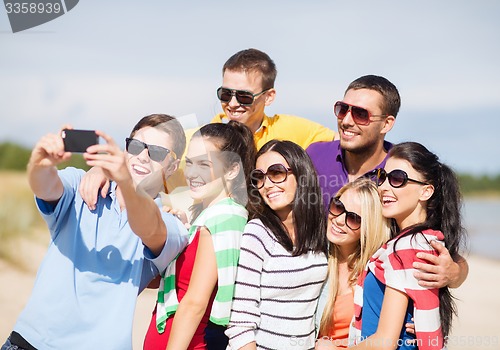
[[264, 125], [339, 156]]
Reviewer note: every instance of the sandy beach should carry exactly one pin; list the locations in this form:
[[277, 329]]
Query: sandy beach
[[476, 328]]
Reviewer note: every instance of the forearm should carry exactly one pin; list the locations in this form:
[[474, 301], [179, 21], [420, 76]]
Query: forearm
[[186, 320], [144, 216], [462, 272], [45, 182]]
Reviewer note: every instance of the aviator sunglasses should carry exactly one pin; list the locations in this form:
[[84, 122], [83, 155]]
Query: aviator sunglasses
[[277, 173], [156, 153], [397, 178], [245, 98], [360, 115], [336, 208]]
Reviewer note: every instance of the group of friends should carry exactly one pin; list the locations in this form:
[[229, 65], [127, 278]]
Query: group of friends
[[298, 237]]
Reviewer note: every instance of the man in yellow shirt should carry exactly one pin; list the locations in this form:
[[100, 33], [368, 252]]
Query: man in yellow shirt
[[247, 88]]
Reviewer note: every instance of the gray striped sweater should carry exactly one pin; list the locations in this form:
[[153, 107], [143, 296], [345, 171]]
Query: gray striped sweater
[[276, 294]]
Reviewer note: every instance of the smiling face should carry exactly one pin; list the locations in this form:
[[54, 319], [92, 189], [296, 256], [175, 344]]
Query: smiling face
[[141, 166], [278, 196], [251, 115], [407, 204], [360, 138], [204, 171], [338, 232]]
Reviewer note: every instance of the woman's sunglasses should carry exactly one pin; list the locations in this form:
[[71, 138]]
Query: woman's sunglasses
[[245, 98], [360, 115], [277, 173], [156, 153], [336, 208], [397, 178]]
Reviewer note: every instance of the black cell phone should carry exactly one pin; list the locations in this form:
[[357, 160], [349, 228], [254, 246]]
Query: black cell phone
[[78, 140]]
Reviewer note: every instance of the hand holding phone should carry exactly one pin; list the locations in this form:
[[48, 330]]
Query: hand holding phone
[[78, 140]]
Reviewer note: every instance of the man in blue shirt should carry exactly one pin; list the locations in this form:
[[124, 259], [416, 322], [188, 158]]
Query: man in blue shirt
[[99, 260]]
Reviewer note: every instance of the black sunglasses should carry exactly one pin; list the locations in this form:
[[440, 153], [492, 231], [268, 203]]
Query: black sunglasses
[[277, 173], [245, 98], [156, 153], [360, 115], [397, 178], [337, 208]]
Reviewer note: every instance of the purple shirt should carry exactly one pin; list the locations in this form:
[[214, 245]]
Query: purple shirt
[[328, 159]]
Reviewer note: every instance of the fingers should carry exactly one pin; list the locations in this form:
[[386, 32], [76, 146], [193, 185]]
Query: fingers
[[49, 150], [166, 209], [429, 258], [88, 192], [429, 284], [440, 248], [105, 189]]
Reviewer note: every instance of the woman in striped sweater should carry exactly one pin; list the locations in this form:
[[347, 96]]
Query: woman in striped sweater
[[196, 290], [283, 260], [421, 196]]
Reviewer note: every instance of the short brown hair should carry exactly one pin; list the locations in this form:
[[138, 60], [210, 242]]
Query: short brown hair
[[168, 124], [253, 61]]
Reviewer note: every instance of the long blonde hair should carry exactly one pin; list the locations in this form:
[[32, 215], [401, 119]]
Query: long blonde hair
[[374, 232]]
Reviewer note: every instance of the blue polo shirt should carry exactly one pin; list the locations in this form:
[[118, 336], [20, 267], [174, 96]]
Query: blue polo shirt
[[328, 159], [86, 287]]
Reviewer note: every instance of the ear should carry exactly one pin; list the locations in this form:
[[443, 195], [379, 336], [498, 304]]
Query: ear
[[388, 124], [270, 95], [171, 168], [233, 172], [427, 192]]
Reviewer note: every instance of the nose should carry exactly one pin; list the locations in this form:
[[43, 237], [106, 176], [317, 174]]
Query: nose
[[347, 120], [233, 102], [340, 220], [144, 156], [267, 182]]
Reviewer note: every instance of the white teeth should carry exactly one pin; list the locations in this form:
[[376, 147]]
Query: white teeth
[[236, 113], [273, 195], [388, 199], [140, 169], [196, 184], [348, 133], [337, 230]]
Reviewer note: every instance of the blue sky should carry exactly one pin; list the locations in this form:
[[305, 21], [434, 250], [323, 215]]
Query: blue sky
[[105, 64]]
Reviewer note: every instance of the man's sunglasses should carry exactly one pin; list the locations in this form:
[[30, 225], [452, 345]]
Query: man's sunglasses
[[244, 98], [336, 208], [156, 153], [277, 173], [360, 115], [397, 178]]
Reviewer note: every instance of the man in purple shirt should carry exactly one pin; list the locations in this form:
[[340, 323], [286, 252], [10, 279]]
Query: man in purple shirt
[[367, 112], [364, 116]]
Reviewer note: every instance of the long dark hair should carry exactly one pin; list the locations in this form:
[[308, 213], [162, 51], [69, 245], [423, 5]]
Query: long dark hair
[[235, 141], [443, 211], [309, 218]]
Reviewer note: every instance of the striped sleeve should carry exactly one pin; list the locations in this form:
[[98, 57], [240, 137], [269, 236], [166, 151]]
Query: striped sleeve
[[398, 274], [245, 313]]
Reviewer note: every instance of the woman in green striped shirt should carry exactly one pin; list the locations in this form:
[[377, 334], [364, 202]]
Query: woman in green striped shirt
[[196, 290]]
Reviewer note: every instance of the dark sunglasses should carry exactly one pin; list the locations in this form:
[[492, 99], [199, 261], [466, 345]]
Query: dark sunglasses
[[360, 115], [397, 178], [156, 153], [245, 98], [277, 173], [336, 208]]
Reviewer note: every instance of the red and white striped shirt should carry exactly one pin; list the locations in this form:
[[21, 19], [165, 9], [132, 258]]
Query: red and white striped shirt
[[393, 267]]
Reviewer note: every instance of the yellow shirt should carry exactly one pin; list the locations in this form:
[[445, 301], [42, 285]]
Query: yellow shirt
[[281, 127], [287, 127]]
